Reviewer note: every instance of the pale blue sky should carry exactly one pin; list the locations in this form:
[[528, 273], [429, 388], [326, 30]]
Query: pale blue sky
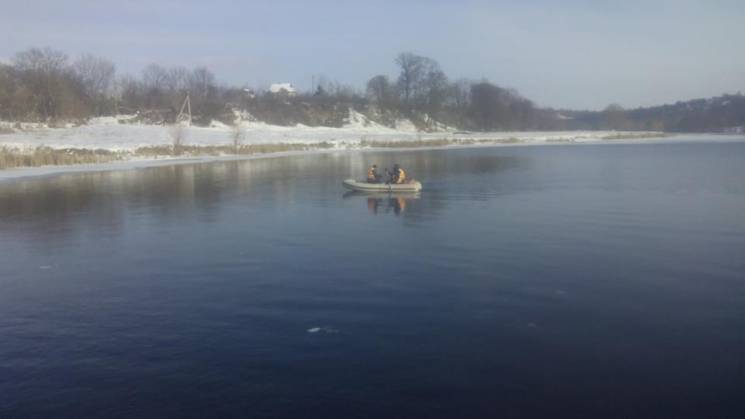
[[575, 54]]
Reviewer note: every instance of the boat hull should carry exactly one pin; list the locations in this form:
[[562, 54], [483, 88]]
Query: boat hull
[[362, 186]]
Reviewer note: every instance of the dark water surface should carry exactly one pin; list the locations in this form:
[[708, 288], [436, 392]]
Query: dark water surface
[[562, 281]]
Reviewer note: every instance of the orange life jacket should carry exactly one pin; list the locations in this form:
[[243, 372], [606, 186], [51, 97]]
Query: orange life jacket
[[401, 176], [371, 174]]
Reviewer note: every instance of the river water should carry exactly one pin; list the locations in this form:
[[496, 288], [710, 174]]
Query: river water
[[554, 281]]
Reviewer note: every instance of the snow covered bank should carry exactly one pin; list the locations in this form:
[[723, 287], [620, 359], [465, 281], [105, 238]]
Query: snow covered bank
[[137, 145], [110, 134], [139, 162]]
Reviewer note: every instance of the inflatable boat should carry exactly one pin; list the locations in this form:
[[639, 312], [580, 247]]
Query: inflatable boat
[[363, 186], [381, 194]]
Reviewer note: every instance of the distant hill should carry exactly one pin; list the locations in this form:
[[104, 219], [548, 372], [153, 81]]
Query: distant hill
[[725, 114]]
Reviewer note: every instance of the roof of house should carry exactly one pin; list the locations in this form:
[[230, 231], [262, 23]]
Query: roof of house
[[279, 87]]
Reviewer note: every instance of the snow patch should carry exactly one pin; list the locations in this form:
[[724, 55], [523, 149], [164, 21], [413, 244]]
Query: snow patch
[[218, 124], [109, 133], [356, 120], [405, 125], [319, 329], [436, 126]]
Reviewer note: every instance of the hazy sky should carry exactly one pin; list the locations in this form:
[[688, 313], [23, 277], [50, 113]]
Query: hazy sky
[[575, 54]]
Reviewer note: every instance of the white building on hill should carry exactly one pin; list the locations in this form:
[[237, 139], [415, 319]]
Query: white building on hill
[[283, 88]]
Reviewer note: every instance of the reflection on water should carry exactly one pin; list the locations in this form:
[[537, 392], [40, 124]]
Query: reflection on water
[[515, 284], [384, 202], [57, 207]]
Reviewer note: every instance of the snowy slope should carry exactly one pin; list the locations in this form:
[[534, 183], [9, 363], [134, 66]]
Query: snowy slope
[[113, 133]]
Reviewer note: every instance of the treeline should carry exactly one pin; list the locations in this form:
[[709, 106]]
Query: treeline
[[45, 85], [423, 93], [725, 114]]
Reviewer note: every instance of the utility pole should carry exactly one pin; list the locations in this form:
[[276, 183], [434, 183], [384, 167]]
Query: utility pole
[[185, 116]]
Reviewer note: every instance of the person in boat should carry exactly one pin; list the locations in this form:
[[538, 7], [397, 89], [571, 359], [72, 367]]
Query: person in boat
[[372, 174], [390, 175], [399, 174]]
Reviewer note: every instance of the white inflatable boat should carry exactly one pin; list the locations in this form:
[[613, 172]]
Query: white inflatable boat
[[381, 194], [362, 186]]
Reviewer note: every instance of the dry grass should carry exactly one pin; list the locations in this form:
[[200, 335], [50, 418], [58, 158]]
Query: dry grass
[[236, 135], [43, 156], [414, 143], [223, 150], [46, 156], [276, 148], [511, 140], [178, 134], [634, 135], [441, 142]]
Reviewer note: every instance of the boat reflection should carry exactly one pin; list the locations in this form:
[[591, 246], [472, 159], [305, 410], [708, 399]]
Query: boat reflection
[[385, 202]]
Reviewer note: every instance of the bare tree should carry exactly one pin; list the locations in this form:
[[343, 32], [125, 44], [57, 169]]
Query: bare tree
[[461, 93], [45, 61], [8, 83], [412, 69], [202, 82], [434, 88], [380, 91], [457, 101], [489, 106], [203, 91], [154, 83], [344, 92], [421, 81], [177, 79], [334, 89], [495, 108], [96, 76], [154, 77], [43, 72], [130, 92]]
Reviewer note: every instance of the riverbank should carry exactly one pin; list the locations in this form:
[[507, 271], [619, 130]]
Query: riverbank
[[126, 161], [112, 143], [120, 135], [14, 156]]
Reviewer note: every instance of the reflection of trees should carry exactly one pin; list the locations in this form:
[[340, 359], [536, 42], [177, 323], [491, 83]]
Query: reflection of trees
[[60, 207], [41, 209], [57, 207]]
